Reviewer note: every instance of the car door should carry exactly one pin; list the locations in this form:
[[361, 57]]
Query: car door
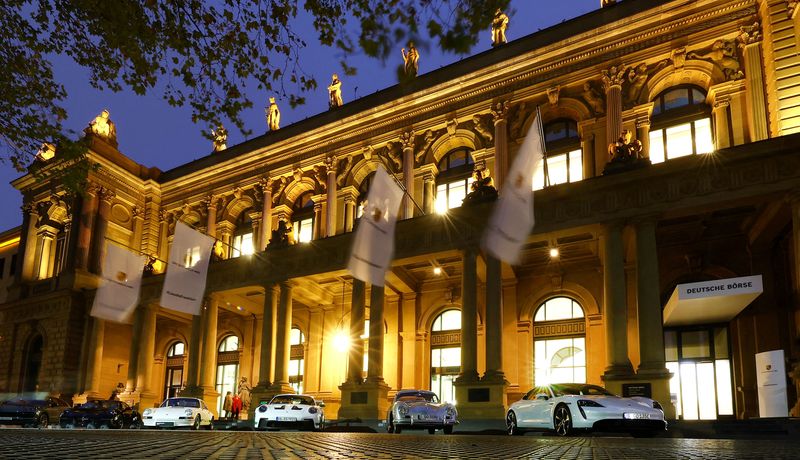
[[523, 409], [53, 409], [541, 409]]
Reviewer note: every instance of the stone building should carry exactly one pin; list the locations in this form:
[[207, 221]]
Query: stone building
[[710, 192]]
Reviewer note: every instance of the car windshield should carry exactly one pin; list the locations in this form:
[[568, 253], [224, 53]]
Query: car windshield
[[181, 402], [98, 405], [417, 397], [292, 399], [26, 402], [579, 390]]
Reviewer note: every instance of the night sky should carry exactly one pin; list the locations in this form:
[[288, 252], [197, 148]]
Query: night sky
[[152, 133]]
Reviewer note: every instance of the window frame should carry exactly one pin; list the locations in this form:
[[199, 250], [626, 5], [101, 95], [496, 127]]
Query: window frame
[[689, 114]]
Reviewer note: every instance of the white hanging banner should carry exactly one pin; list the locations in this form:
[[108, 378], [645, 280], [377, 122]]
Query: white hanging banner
[[771, 380], [118, 293], [185, 281]]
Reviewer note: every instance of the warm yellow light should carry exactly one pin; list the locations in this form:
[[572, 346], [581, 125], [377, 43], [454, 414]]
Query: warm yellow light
[[437, 271], [341, 341], [7, 243], [553, 253]]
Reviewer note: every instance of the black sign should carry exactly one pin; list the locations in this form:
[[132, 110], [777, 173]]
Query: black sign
[[478, 395], [637, 389], [358, 397]]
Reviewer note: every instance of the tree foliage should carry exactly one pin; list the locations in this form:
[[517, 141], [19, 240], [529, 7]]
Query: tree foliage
[[201, 54]]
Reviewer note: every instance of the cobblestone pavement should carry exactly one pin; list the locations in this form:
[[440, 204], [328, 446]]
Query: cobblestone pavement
[[133, 444]]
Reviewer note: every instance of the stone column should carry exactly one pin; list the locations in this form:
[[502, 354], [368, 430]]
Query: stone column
[[429, 190], [94, 363], [643, 135], [721, 122], [283, 329], [163, 237], [44, 252], [101, 228], [469, 317], [266, 213], [651, 331], [195, 352], [86, 226], [750, 41], [267, 363], [31, 218], [349, 213], [317, 231], [612, 84], [211, 223], [208, 366], [138, 221], [133, 354], [500, 115], [355, 367], [407, 141], [144, 383], [494, 321], [330, 202], [614, 304], [376, 331]]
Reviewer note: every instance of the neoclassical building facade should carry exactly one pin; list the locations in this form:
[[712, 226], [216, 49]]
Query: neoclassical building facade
[[708, 88]]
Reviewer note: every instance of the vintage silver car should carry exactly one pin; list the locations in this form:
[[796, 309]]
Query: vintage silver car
[[420, 410]]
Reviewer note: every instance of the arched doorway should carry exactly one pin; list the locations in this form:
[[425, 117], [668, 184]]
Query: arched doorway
[[227, 369], [559, 346], [174, 375], [445, 354], [33, 364]]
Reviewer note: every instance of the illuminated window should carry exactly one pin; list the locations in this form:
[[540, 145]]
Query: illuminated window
[[363, 191], [174, 369], [227, 369], [564, 155], [445, 354], [681, 124], [242, 243], [297, 359], [177, 349], [303, 218], [455, 177], [560, 358]]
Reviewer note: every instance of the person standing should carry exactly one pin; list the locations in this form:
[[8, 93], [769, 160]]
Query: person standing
[[226, 406], [236, 406]]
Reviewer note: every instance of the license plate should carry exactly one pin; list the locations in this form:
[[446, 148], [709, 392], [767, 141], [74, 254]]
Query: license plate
[[286, 419], [635, 415], [165, 423], [5, 418]]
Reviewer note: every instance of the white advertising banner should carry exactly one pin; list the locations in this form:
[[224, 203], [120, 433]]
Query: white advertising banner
[[185, 281], [771, 380], [118, 292]]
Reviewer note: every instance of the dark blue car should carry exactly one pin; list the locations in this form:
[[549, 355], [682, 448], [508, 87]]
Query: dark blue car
[[101, 414]]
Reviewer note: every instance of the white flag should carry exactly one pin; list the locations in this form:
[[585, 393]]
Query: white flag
[[185, 281], [118, 293], [512, 219], [373, 245]]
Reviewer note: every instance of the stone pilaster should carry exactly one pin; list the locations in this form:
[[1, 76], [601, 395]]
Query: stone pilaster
[[138, 222], [265, 229], [94, 362], [500, 112], [330, 202], [163, 237], [429, 189], [101, 229], [86, 226], [317, 232], [31, 218], [211, 202], [407, 141], [750, 42], [349, 213]]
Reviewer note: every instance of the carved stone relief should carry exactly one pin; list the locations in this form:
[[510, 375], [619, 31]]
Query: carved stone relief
[[723, 54]]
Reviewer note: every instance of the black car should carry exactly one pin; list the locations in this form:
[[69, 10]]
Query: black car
[[101, 414], [31, 411]]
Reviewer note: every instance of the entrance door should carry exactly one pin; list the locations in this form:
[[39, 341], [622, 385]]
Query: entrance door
[[701, 387], [227, 380]]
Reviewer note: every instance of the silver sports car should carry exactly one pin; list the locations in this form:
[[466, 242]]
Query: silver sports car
[[420, 410], [567, 407]]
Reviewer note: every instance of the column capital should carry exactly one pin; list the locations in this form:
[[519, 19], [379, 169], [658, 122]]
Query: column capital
[[265, 184], [106, 195], [643, 122], [613, 77], [428, 177], [500, 111], [137, 213], [330, 163], [30, 209], [211, 202], [749, 35], [720, 102], [92, 188], [407, 139]]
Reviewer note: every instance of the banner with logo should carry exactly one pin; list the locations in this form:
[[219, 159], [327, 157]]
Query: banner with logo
[[121, 280], [771, 380], [185, 280]]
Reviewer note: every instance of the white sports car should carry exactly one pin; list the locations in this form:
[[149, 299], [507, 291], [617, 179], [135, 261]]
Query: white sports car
[[420, 410], [179, 412], [567, 407], [290, 411]]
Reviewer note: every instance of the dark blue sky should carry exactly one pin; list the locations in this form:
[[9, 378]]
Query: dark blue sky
[[152, 133]]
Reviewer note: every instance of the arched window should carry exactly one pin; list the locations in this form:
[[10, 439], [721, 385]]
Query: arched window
[[297, 359], [564, 155], [445, 354], [363, 190], [242, 243], [227, 369], [33, 364], [559, 349], [174, 375], [455, 177], [303, 218], [680, 125]]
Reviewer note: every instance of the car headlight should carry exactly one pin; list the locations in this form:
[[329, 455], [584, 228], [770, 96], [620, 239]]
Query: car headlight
[[312, 410], [402, 409], [188, 412], [147, 412], [588, 403], [451, 412], [262, 408], [656, 405]]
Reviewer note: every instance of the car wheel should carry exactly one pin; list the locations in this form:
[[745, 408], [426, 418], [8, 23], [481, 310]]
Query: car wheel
[[390, 425], [562, 421], [448, 429], [210, 426], [511, 424], [196, 424], [136, 425], [104, 426], [90, 426], [431, 430], [43, 421], [397, 429]]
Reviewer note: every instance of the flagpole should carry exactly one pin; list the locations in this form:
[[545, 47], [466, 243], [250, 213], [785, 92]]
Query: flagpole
[[546, 171], [402, 187], [137, 251]]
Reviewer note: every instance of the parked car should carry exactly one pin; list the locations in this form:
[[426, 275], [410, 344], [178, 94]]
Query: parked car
[[179, 413], [567, 407], [290, 411], [420, 410], [31, 411], [101, 414]]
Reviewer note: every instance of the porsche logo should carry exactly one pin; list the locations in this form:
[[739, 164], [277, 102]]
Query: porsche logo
[[122, 277]]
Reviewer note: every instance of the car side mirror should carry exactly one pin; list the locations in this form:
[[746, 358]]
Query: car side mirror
[[321, 404], [542, 397]]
